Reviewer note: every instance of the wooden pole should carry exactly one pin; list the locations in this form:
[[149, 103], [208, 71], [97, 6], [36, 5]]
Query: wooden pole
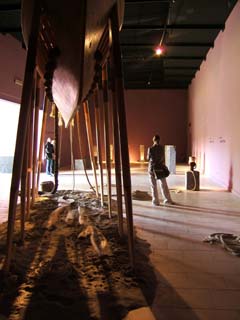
[[35, 137], [56, 151], [21, 133], [90, 143], [71, 151], [79, 133], [117, 152], [60, 146], [122, 128], [41, 145], [99, 144], [106, 136], [80, 148], [30, 157], [23, 188]]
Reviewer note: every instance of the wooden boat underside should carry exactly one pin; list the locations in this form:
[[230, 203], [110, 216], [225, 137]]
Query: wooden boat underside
[[76, 28]]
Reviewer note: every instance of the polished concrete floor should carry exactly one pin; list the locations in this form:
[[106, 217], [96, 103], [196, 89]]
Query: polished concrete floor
[[196, 280]]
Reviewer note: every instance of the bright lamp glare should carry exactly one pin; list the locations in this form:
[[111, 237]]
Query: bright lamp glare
[[158, 51]]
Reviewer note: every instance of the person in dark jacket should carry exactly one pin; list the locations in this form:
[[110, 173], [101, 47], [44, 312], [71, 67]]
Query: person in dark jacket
[[49, 152], [53, 156], [156, 157]]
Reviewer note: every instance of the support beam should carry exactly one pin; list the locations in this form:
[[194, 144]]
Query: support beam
[[146, 1], [35, 136], [182, 67], [80, 147], [71, 126], [30, 156], [106, 136], [22, 128], [155, 59], [174, 27], [99, 143], [10, 7], [116, 52], [157, 85], [56, 152], [117, 150], [90, 143], [178, 76], [10, 30], [24, 189], [41, 145], [170, 44]]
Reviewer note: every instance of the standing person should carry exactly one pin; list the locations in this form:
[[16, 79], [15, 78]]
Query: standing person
[[156, 157], [53, 157], [49, 150]]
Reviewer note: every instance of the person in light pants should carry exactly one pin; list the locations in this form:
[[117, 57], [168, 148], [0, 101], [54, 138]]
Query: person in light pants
[[155, 156]]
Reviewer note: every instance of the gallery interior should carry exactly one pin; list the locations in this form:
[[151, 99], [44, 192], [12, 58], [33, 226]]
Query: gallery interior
[[101, 79]]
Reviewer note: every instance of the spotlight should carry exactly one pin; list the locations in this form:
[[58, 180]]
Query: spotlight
[[158, 50]]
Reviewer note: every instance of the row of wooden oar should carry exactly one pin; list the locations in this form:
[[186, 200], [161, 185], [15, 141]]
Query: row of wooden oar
[[27, 165]]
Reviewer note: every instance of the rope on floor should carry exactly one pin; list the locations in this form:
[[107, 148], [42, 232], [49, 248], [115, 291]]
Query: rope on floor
[[229, 242]]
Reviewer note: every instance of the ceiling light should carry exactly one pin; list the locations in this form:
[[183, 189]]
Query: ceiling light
[[158, 50]]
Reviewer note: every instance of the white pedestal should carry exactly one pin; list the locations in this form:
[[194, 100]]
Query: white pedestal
[[170, 158]]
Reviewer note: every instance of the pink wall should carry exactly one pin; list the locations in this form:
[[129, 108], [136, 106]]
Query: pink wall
[[148, 111], [214, 108], [12, 65], [157, 111]]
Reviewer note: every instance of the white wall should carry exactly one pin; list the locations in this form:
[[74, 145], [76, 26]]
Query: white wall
[[214, 108]]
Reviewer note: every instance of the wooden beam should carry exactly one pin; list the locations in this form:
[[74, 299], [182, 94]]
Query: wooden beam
[[99, 143], [22, 130], [35, 137], [30, 156], [146, 1], [56, 152], [173, 27], [116, 52], [41, 145], [106, 136], [169, 44], [10, 29], [10, 7], [80, 148], [117, 150], [23, 188], [148, 58], [90, 143]]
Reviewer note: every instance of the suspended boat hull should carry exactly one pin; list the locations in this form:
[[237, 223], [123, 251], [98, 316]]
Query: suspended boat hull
[[76, 29]]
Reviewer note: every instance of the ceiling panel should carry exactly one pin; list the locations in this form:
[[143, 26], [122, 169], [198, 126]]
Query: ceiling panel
[[186, 29]]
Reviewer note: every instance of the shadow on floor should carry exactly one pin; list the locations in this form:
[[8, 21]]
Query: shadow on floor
[[158, 292], [178, 207]]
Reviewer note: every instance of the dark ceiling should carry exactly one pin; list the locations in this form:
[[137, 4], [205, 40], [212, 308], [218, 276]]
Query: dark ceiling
[[186, 29]]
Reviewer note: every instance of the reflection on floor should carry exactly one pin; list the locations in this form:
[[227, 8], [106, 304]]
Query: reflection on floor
[[196, 280]]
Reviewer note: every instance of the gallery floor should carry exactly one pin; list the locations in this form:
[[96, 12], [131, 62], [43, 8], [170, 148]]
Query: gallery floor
[[196, 280]]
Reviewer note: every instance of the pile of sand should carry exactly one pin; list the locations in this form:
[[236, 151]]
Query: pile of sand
[[59, 275]]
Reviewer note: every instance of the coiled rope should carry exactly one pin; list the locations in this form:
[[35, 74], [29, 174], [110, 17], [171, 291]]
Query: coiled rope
[[229, 242]]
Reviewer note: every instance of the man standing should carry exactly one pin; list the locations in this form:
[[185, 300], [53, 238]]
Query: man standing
[[156, 157], [49, 151]]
